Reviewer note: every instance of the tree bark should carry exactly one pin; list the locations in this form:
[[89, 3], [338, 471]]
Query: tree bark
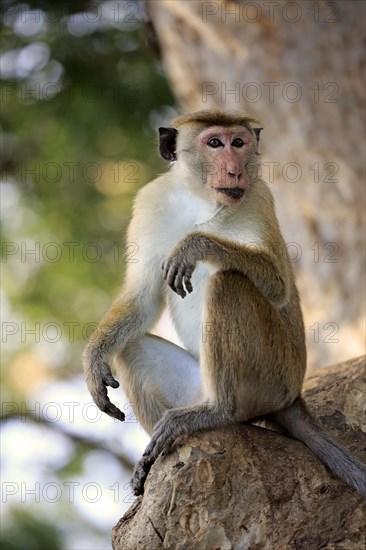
[[298, 67], [245, 487]]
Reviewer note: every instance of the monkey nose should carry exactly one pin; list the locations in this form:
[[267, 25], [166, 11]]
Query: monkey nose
[[234, 175]]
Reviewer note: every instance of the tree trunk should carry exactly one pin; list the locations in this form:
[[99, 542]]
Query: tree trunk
[[244, 487], [298, 67]]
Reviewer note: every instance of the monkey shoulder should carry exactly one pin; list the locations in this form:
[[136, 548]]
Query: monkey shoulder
[[260, 199], [260, 207], [159, 195], [150, 194], [155, 207]]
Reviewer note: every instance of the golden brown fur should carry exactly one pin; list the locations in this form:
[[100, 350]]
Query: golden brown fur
[[211, 224]]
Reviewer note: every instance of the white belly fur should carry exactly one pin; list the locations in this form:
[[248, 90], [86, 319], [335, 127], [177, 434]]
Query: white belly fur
[[187, 313]]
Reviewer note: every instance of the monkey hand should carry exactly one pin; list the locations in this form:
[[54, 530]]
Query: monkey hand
[[178, 268], [99, 376]]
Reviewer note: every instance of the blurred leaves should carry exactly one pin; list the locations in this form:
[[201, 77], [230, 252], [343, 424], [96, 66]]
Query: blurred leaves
[[81, 98], [76, 147], [30, 533]]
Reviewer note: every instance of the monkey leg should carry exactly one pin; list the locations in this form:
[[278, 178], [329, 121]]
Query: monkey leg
[[174, 423], [248, 364], [157, 375], [252, 359]]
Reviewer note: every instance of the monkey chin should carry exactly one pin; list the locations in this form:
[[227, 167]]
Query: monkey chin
[[228, 195]]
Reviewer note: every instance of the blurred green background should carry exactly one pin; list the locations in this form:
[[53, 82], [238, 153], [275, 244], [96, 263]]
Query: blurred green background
[[82, 97]]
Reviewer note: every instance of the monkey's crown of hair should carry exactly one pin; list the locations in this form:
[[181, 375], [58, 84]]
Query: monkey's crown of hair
[[215, 117]]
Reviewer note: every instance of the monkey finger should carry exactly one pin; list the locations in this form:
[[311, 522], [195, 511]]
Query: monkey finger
[[170, 278], [165, 267], [178, 285], [187, 282], [108, 380], [114, 412], [102, 401], [172, 286], [107, 407], [175, 282], [182, 293]]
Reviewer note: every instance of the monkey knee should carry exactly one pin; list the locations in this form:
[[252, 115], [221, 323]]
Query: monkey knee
[[235, 309], [232, 286], [132, 358]]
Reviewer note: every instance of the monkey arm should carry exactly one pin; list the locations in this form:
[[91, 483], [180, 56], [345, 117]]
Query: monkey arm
[[266, 271], [126, 320], [129, 317]]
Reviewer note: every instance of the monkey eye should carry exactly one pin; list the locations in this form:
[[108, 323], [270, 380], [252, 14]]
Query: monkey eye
[[238, 142], [214, 143]]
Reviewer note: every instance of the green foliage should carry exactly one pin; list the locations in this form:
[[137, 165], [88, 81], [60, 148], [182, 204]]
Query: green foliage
[[81, 96], [67, 124], [26, 532]]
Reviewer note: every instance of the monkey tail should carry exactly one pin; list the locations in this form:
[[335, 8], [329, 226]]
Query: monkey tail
[[300, 424]]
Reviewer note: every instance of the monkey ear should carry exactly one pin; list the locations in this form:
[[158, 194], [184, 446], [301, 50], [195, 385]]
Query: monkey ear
[[257, 132], [167, 143]]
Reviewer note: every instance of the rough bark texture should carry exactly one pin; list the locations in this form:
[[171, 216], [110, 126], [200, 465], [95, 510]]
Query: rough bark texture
[[245, 487], [299, 67]]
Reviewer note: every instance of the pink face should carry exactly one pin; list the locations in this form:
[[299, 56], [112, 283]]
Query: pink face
[[226, 152]]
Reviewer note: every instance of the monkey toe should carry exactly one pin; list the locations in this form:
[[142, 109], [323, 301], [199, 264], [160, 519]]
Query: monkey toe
[[140, 474], [149, 448], [168, 446], [152, 451], [163, 442], [138, 485], [156, 445]]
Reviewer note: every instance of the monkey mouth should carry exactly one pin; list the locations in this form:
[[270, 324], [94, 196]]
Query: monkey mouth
[[233, 193]]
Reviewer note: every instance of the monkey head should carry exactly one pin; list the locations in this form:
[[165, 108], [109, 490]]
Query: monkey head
[[214, 153]]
